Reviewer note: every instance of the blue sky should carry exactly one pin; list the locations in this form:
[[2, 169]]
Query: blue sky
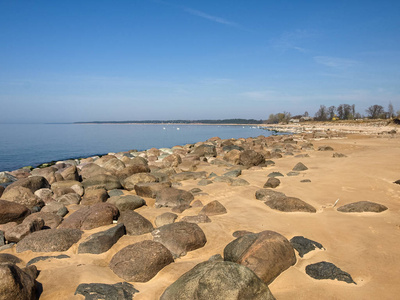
[[65, 61]]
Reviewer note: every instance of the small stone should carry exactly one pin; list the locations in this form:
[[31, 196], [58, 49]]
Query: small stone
[[272, 182], [299, 167], [275, 174], [326, 270]]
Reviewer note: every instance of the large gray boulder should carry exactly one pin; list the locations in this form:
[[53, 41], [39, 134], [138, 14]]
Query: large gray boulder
[[141, 261], [172, 197], [267, 253], [267, 194], [290, 204], [218, 281], [362, 206], [135, 224], [109, 182], [150, 189], [127, 202], [97, 291], [213, 208], [180, 237], [50, 240], [205, 150], [102, 241]]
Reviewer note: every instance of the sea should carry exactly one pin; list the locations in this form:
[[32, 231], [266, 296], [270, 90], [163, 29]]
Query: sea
[[33, 144]]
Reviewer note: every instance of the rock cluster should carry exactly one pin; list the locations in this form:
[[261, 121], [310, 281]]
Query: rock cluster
[[49, 209]]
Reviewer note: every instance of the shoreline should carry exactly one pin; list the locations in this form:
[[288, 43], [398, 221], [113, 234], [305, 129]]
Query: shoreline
[[360, 243]]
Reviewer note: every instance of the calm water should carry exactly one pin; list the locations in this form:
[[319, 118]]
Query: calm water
[[33, 144]]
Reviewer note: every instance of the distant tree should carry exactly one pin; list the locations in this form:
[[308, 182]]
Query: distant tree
[[279, 118], [353, 111], [340, 112], [305, 114], [331, 112], [398, 113], [390, 110], [358, 116], [321, 114], [375, 111]]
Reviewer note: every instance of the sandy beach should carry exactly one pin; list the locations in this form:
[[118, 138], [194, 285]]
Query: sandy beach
[[363, 244]]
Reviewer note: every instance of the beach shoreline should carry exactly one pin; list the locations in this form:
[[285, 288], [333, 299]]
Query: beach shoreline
[[362, 244]]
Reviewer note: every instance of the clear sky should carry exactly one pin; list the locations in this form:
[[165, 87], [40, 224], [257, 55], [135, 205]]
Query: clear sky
[[66, 61]]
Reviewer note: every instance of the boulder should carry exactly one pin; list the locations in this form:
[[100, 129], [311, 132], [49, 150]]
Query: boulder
[[327, 270], [275, 174], [105, 158], [239, 182], [17, 233], [22, 195], [205, 150], [92, 170], [56, 208], [127, 202], [240, 233], [18, 284], [117, 291], [299, 167], [180, 237], [70, 173], [267, 254], [32, 183], [141, 261], [196, 219], [204, 182], [272, 182], [109, 182], [130, 182], [67, 186], [7, 178], [130, 170], [267, 195], [135, 224], [304, 245], [90, 217], [93, 196], [251, 158], [113, 165], [70, 198], [46, 195], [172, 160], [233, 173], [290, 204], [172, 197], [50, 240], [12, 212], [325, 148], [363, 206], [150, 189], [2, 188], [213, 208], [50, 220], [218, 280], [338, 155], [233, 156], [165, 219], [102, 241], [188, 176]]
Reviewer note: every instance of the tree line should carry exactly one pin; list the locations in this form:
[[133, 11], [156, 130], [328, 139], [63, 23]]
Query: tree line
[[341, 112]]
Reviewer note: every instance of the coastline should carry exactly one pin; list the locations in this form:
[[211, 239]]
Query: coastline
[[361, 244]]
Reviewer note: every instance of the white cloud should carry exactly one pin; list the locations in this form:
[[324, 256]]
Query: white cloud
[[335, 62], [291, 40], [210, 17]]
